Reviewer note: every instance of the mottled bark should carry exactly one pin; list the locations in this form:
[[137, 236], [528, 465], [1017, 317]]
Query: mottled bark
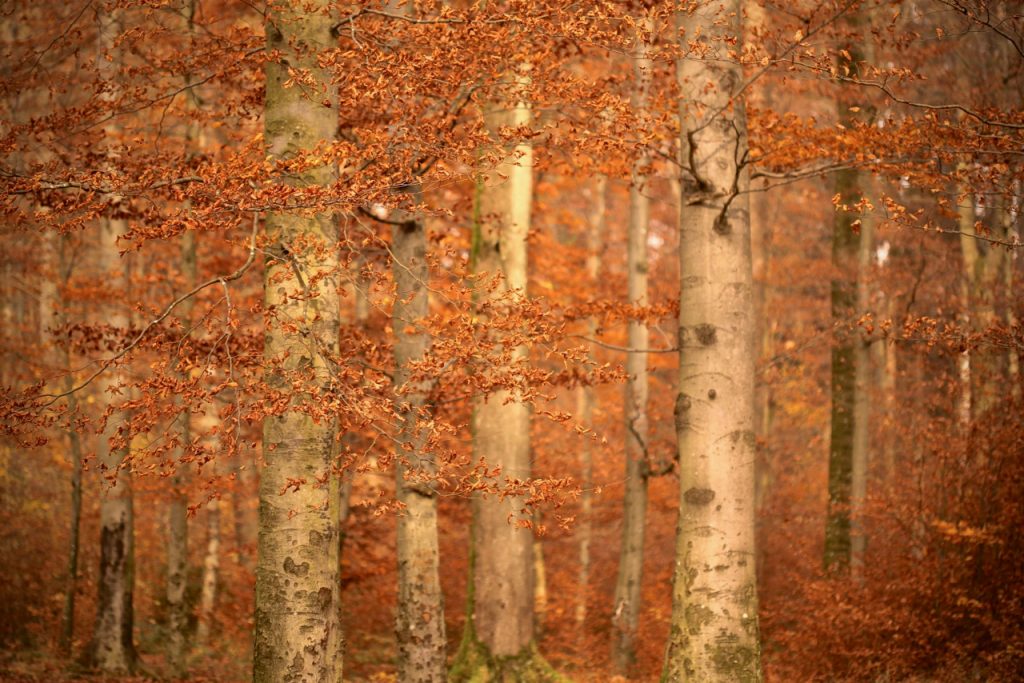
[[628, 585], [714, 630], [297, 588], [421, 628]]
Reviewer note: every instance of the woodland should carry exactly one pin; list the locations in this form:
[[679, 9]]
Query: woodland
[[511, 340]]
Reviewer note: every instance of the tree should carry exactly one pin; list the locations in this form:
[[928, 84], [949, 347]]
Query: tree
[[421, 627], [849, 429], [626, 606], [113, 649], [498, 643], [714, 634], [586, 401], [177, 541], [297, 629]]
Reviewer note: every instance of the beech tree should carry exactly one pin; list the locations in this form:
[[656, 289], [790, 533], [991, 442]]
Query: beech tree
[[499, 638], [714, 596], [113, 646], [297, 610], [630, 579]]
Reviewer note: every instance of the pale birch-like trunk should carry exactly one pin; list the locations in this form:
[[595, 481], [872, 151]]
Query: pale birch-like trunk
[[298, 631], [714, 631], [756, 25], [503, 577], [586, 399], [211, 569], [498, 644], [421, 628], [628, 585], [540, 582], [112, 649]]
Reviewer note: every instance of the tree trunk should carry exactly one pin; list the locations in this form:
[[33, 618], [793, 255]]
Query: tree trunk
[[177, 541], [67, 622], [714, 632], [298, 630], [985, 275], [503, 614], [421, 629], [585, 408], [626, 612], [177, 538], [498, 645], [211, 567], [861, 441], [357, 289], [112, 649], [847, 378]]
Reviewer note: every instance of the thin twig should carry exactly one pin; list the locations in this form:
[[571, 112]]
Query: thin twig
[[163, 316]]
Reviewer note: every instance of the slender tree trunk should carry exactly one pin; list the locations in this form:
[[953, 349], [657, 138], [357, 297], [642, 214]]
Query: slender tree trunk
[[177, 572], [177, 540], [67, 622], [585, 408], [360, 314], [112, 649], [846, 248], [714, 632], [498, 645], [540, 582], [862, 401], [985, 277], [1011, 214], [628, 586], [888, 371], [298, 631], [244, 522], [421, 628], [211, 568]]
